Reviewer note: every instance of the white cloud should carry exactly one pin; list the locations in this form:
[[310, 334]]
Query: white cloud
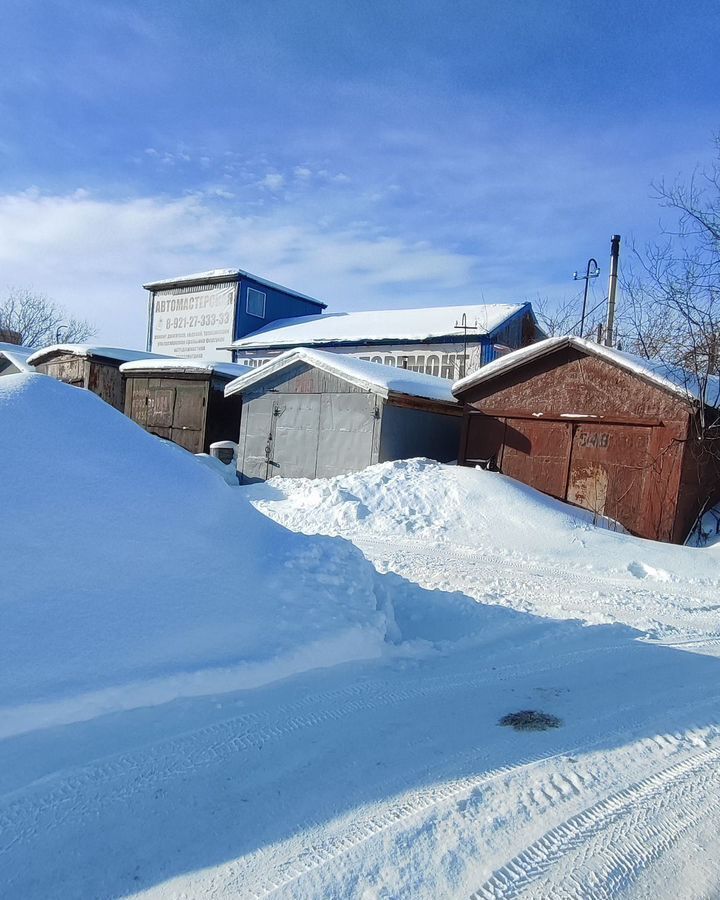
[[93, 254], [273, 181]]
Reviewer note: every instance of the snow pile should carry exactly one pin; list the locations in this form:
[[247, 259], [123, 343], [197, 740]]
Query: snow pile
[[131, 574], [469, 508]]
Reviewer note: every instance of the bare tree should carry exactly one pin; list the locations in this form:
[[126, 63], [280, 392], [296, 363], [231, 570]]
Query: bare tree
[[671, 306], [671, 289], [565, 317], [39, 321]]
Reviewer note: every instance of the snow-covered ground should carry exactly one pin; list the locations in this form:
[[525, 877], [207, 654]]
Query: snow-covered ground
[[465, 597]]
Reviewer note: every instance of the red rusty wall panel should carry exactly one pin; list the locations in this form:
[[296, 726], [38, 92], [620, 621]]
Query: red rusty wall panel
[[484, 440], [608, 471], [572, 383], [537, 453]]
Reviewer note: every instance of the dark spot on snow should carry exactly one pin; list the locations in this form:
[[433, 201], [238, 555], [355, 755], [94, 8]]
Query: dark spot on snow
[[530, 720]]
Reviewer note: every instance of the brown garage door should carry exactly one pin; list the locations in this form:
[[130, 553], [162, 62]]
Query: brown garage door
[[177, 413], [600, 467], [535, 451], [608, 469]]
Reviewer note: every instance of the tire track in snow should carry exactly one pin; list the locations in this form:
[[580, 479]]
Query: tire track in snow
[[608, 844], [424, 548], [421, 549], [315, 856], [62, 797], [696, 615]]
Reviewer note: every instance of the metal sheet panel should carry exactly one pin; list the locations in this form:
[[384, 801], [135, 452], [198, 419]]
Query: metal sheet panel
[[485, 435], [295, 434], [347, 424], [254, 461], [537, 452], [608, 471]]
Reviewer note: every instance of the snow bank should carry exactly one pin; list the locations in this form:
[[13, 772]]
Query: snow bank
[[472, 508], [131, 574]]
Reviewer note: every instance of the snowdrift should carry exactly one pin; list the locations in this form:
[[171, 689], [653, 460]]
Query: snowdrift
[[463, 507], [130, 574]]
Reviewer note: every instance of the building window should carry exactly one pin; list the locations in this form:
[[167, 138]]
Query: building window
[[255, 304]]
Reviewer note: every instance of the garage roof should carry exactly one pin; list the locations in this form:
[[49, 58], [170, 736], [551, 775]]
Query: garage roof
[[374, 377], [118, 354], [185, 367], [17, 355], [672, 378], [381, 325]]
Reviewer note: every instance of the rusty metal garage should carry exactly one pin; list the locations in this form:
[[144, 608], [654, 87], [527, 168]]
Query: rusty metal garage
[[183, 400], [596, 427], [314, 414], [96, 369]]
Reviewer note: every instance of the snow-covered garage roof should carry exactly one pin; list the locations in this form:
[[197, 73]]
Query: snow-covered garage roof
[[380, 379], [119, 354], [671, 378], [17, 355], [380, 325], [185, 367]]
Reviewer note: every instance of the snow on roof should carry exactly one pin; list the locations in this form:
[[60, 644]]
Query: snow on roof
[[670, 377], [370, 376], [379, 325], [17, 355], [216, 275], [185, 366], [120, 354]]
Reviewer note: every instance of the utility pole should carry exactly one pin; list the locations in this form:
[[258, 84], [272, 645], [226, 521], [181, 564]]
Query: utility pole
[[465, 327], [612, 288], [592, 271]]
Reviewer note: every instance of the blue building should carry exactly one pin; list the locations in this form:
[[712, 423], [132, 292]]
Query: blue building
[[192, 316], [448, 341]]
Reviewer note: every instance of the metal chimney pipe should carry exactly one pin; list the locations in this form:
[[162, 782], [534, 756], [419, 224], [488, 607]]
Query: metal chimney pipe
[[612, 289]]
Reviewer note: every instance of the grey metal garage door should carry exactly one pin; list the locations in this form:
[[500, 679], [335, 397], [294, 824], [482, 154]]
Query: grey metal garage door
[[308, 435]]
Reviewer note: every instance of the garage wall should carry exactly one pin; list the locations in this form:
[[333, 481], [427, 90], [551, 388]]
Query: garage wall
[[407, 433], [103, 379]]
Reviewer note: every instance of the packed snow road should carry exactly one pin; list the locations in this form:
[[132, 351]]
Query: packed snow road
[[391, 778], [387, 779]]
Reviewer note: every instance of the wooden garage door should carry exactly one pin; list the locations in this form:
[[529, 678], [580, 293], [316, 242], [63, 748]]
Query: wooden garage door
[[177, 413], [608, 470]]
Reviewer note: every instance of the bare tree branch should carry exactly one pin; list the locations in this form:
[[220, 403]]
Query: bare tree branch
[[39, 321]]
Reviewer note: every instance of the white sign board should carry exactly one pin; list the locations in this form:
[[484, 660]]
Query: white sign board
[[192, 324], [443, 360]]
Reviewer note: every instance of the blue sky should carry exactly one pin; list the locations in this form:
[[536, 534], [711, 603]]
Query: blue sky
[[372, 154]]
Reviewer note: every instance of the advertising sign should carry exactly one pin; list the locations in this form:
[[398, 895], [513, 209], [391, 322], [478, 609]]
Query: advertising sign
[[194, 322], [443, 360]]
